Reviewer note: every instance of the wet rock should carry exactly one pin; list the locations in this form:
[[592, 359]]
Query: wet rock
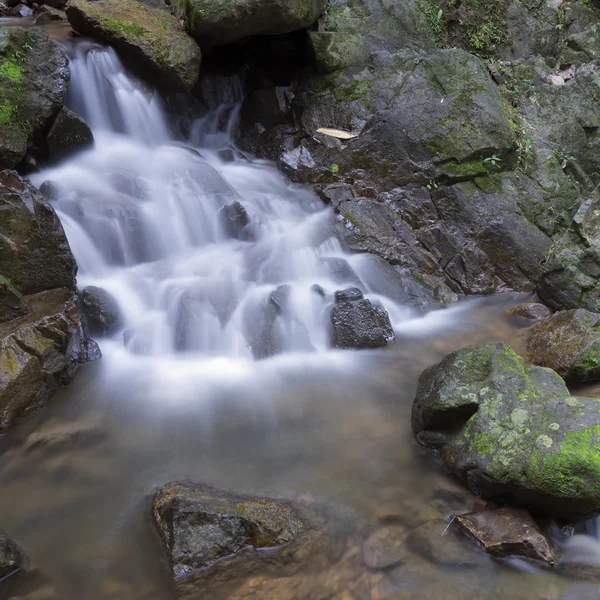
[[25, 11], [280, 298], [508, 532], [137, 340], [340, 271], [263, 329], [227, 156], [151, 37], [218, 22], [533, 311], [63, 438], [33, 84], [211, 536], [318, 290], [48, 14], [100, 309], [68, 134], [567, 342], [34, 252], [357, 323], [38, 354], [235, 220], [511, 431], [12, 558]]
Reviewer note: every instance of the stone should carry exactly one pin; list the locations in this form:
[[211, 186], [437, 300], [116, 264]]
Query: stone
[[211, 536], [385, 547], [38, 353], [34, 252], [506, 532], [280, 298], [570, 278], [12, 303], [68, 134], [101, 310], [567, 342], [150, 37], [510, 431], [234, 220], [34, 77], [357, 323], [48, 14], [12, 558], [219, 22], [533, 311]]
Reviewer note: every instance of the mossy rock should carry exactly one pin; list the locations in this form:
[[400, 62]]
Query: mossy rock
[[151, 38], [219, 22], [511, 431], [34, 77]]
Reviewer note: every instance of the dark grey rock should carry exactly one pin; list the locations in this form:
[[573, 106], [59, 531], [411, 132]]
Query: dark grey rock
[[68, 134], [101, 310]]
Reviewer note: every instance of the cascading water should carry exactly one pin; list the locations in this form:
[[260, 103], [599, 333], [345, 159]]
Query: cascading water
[[147, 219]]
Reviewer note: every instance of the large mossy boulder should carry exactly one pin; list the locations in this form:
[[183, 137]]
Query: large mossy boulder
[[571, 275], [211, 536], [567, 342], [34, 77], [219, 22], [34, 252], [511, 431], [149, 37]]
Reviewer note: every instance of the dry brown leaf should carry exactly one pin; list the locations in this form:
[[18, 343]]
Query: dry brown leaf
[[336, 133]]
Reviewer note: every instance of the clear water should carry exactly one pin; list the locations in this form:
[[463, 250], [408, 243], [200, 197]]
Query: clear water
[[141, 213]]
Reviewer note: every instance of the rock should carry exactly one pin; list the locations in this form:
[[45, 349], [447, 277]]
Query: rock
[[510, 431], [34, 252], [555, 80], [235, 220], [12, 558], [339, 271], [219, 22], [68, 134], [60, 4], [25, 11], [530, 310], [385, 547], [38, 354], [508, 532], [33, 82], [12, 303], [357, 323], [280, 298], [47, 14], [148, 36], [567, 342], [211, 536], [570, 276], [100, 309]]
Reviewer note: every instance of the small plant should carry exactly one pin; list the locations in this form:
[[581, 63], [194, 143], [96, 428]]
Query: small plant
[[493, 160], [432, 185], [524, 150], [334, 168], [560, 18], [563, 158]]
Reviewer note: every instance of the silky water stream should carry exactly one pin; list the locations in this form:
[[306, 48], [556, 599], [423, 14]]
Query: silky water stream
[[184, 389]]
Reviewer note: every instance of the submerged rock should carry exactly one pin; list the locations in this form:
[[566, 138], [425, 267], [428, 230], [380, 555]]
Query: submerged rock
[[33, 82], [235, 220], [211, 536], [569, 343], [508, 532], [218, 22], [511, 431], [143, 33], [12, 558], [100, 309], [357, 323], [68, 134], [533, 311]]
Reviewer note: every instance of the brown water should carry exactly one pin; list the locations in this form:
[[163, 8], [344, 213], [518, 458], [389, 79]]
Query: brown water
[[77, 478]]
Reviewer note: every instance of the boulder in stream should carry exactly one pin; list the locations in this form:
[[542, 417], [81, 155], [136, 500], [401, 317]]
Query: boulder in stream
[[211, 536], [12, 558], [100, 309], [508, 531], [68, 134], [569, 343], [219, 22], [511, 431], [149, 36], [33, 82], [358, 323]]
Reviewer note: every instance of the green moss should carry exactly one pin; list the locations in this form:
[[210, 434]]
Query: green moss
[[588, 360], [11, 69], [124, 27]]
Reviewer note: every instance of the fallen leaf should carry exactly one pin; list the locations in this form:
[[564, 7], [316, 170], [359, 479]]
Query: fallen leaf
[[336, 133]]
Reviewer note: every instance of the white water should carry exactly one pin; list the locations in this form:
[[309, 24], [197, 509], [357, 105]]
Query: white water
[[142, 214]]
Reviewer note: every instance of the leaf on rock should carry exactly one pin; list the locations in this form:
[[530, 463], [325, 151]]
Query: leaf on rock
[[337, 133]]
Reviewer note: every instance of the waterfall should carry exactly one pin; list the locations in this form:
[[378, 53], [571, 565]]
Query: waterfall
[[146, 215]]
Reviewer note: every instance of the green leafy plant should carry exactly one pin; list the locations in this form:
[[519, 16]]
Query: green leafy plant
[[334, 168], [432, 185], [493, 160]]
